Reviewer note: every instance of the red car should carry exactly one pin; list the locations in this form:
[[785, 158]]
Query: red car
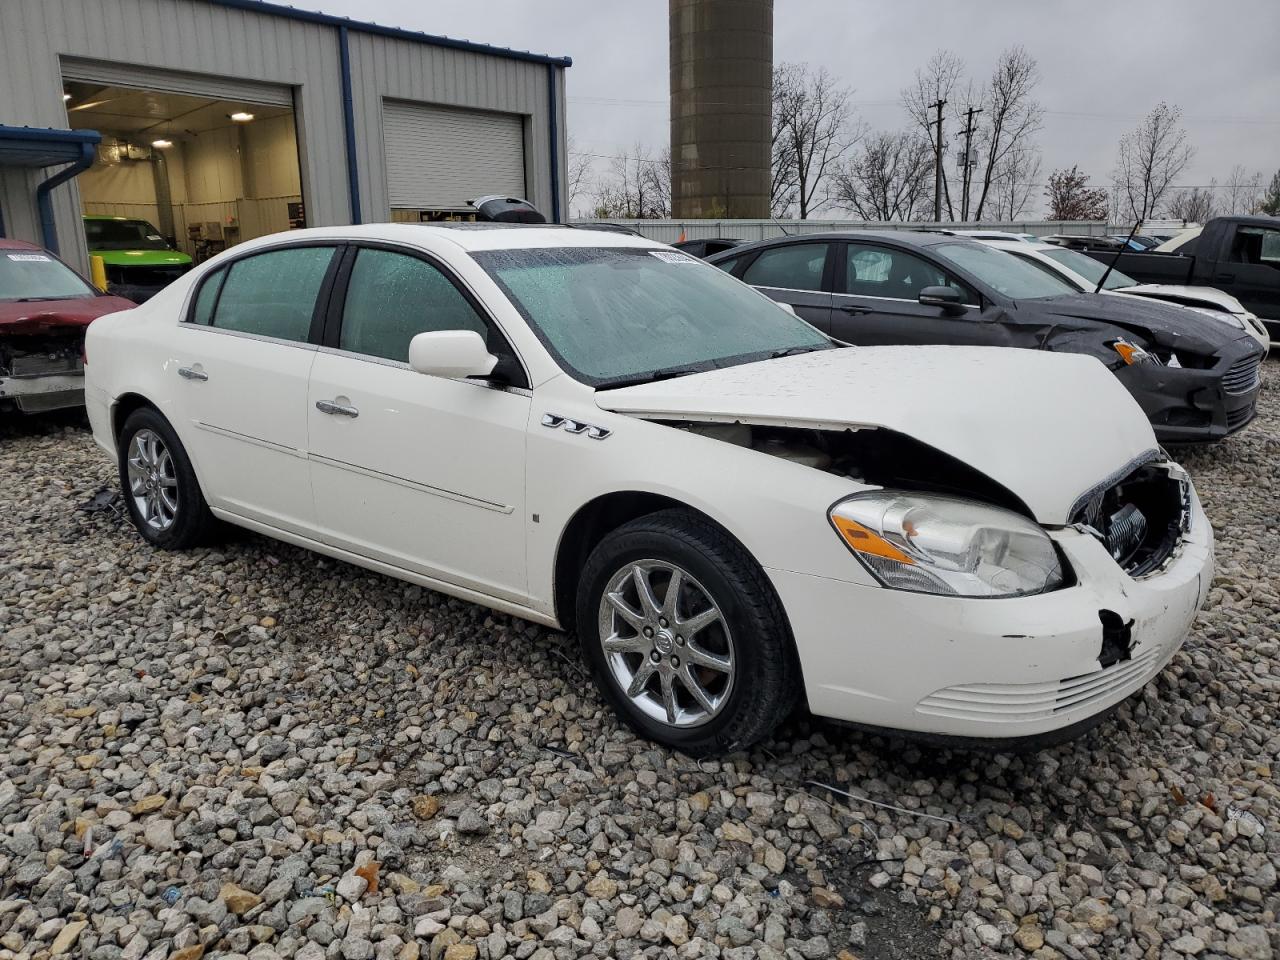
[[45, 307]]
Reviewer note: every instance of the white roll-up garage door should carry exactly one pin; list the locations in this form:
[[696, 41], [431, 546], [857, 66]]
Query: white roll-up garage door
[[438, 158]]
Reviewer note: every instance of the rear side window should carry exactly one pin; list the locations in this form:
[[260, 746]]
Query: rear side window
[[271, 294], [795, 267], [392, 297], [207, 297]]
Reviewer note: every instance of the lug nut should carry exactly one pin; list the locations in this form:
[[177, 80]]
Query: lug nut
[[679, 640], [648, 631], [662, 621], [655, 657], [675, 661]]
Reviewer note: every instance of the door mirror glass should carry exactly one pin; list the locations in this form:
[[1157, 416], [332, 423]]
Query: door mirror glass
[[451, 354], [950, 299]]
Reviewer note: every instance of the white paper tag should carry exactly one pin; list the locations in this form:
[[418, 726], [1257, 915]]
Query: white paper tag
[[672, 256], [28, 257]]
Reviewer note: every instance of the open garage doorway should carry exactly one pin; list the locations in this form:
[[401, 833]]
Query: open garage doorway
[[181, 176]]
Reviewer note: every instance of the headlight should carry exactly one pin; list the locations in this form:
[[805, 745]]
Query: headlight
[[1131, 353], [931, 543]]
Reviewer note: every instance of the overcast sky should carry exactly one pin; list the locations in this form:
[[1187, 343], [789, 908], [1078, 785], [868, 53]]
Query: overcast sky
[[1103, 64]]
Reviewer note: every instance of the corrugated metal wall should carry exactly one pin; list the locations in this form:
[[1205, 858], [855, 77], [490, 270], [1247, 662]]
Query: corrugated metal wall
[[203, 38], [385, 68]]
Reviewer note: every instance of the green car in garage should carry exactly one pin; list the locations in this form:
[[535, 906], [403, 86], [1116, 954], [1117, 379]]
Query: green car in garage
[[139, 261]]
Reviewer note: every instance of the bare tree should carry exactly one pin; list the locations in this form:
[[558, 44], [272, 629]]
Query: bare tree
[[813, 124], [1150, 158], [638, 186], [1010, 117], [577, 175], [888, 178], [1242, 191], [1196, 205], [1014, 182], [1071, 198], [942, 78]]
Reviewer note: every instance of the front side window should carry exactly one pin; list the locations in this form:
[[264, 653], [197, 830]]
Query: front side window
[[271, 294], [1003, 272], [888, 272], [392, 297], [35, 275], [612, 315], [796, 266]]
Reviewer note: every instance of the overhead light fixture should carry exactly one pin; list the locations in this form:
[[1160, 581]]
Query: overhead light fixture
[[162, 144], [66, 96], [241, 117]]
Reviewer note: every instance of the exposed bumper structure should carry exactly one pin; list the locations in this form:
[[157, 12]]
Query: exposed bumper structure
[[36, 394], [995, 668]]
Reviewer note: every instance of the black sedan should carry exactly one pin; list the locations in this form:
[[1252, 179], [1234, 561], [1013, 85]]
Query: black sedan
[[1196, 378]]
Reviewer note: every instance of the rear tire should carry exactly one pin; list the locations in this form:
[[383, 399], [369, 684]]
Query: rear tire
[[709, 670], [159, 485]]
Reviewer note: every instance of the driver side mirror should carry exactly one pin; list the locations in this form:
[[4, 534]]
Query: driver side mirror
[[950, 299], [451, 354]]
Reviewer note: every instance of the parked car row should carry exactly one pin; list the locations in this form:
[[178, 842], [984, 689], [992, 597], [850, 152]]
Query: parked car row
[[734, 511]]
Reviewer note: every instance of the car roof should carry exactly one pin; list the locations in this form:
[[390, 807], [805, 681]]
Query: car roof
[[7, 244], [908, 238], [468, 236]]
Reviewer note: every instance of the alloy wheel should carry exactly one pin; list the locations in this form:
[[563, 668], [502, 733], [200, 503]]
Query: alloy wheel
[[153, 482], [673, 657]]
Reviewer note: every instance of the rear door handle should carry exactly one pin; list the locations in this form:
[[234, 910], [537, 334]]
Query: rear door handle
[[856, 311], [337, 409], [191, 373], [1225, 277]]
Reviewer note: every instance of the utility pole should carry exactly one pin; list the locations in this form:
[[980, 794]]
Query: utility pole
[[967, 166], [937, 166]]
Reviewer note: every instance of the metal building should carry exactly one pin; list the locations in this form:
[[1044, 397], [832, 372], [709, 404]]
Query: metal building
[[721, 104], [213, 121]]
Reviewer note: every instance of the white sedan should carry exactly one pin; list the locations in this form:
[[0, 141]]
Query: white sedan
[[596, 432], [1084, 272]]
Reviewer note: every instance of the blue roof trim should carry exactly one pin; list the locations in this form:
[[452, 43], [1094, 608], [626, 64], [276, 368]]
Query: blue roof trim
[[308, 16], [44, 147], [49, 134]]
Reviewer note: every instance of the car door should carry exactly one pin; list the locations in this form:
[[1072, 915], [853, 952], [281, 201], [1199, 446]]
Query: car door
[[796, 274], [243, 356], [876, 299], [1252, 272], [420, 472]]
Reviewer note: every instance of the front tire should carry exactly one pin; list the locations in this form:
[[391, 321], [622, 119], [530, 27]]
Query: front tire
[[159, 485], [685, 635]]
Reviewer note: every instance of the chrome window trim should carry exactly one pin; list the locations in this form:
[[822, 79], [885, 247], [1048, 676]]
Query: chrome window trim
[[401, 365], [224, 332], [862, 296]]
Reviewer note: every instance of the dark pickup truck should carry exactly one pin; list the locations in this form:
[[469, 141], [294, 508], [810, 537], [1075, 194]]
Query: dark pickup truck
[[1239, 255]]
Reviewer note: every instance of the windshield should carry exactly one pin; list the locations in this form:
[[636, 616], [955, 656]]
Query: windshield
[[1089, 268], [32, 275], [123, 235], [617, 315], [1003, 272]]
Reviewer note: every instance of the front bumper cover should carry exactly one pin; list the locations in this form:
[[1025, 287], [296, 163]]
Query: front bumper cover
[[1192, 405], [1001, 669]]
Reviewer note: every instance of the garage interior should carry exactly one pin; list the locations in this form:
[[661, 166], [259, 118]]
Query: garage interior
[[207, 172]]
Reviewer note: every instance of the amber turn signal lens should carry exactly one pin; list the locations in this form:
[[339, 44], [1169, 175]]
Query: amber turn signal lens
[[862, 540]]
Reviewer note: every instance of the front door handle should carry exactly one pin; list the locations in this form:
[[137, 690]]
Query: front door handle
[[191, 373], [337, 409], [856, 311], [1225, 278]]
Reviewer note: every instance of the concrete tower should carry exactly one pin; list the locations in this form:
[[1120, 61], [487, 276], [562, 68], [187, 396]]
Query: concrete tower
[[721, 94]]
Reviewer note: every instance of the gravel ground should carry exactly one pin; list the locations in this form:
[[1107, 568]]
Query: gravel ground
[[256, 751]]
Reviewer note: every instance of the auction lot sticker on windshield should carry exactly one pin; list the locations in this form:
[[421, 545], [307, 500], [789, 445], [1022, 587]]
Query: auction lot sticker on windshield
[[28, 257], [673, 256]]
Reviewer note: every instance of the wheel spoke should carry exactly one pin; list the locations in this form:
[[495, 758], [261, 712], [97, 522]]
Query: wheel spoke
[[648, 602], [169, 501], [667, 681], [636, 644], [641, 679], [705, 658], [699, 693], [671, 599], [699, 621], [636, 620]]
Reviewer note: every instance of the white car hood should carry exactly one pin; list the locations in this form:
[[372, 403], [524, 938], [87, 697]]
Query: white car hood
[[1203, 294], [1049, 427]]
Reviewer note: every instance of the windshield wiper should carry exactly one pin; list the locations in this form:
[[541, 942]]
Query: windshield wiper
[[791, 352], [666, 373], [72, 296]]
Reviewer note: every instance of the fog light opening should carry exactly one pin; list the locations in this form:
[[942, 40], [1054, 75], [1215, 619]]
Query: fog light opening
[[1117, 639]]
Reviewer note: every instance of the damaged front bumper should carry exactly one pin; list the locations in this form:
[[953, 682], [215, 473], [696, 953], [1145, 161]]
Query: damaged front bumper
[[38, 393], [995, 669], [1194, 405]]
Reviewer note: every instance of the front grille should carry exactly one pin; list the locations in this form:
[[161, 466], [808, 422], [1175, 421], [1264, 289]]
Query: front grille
[[148, 276], [1141, 519], [1239, 417], [1014, 702], [1243, 375]]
